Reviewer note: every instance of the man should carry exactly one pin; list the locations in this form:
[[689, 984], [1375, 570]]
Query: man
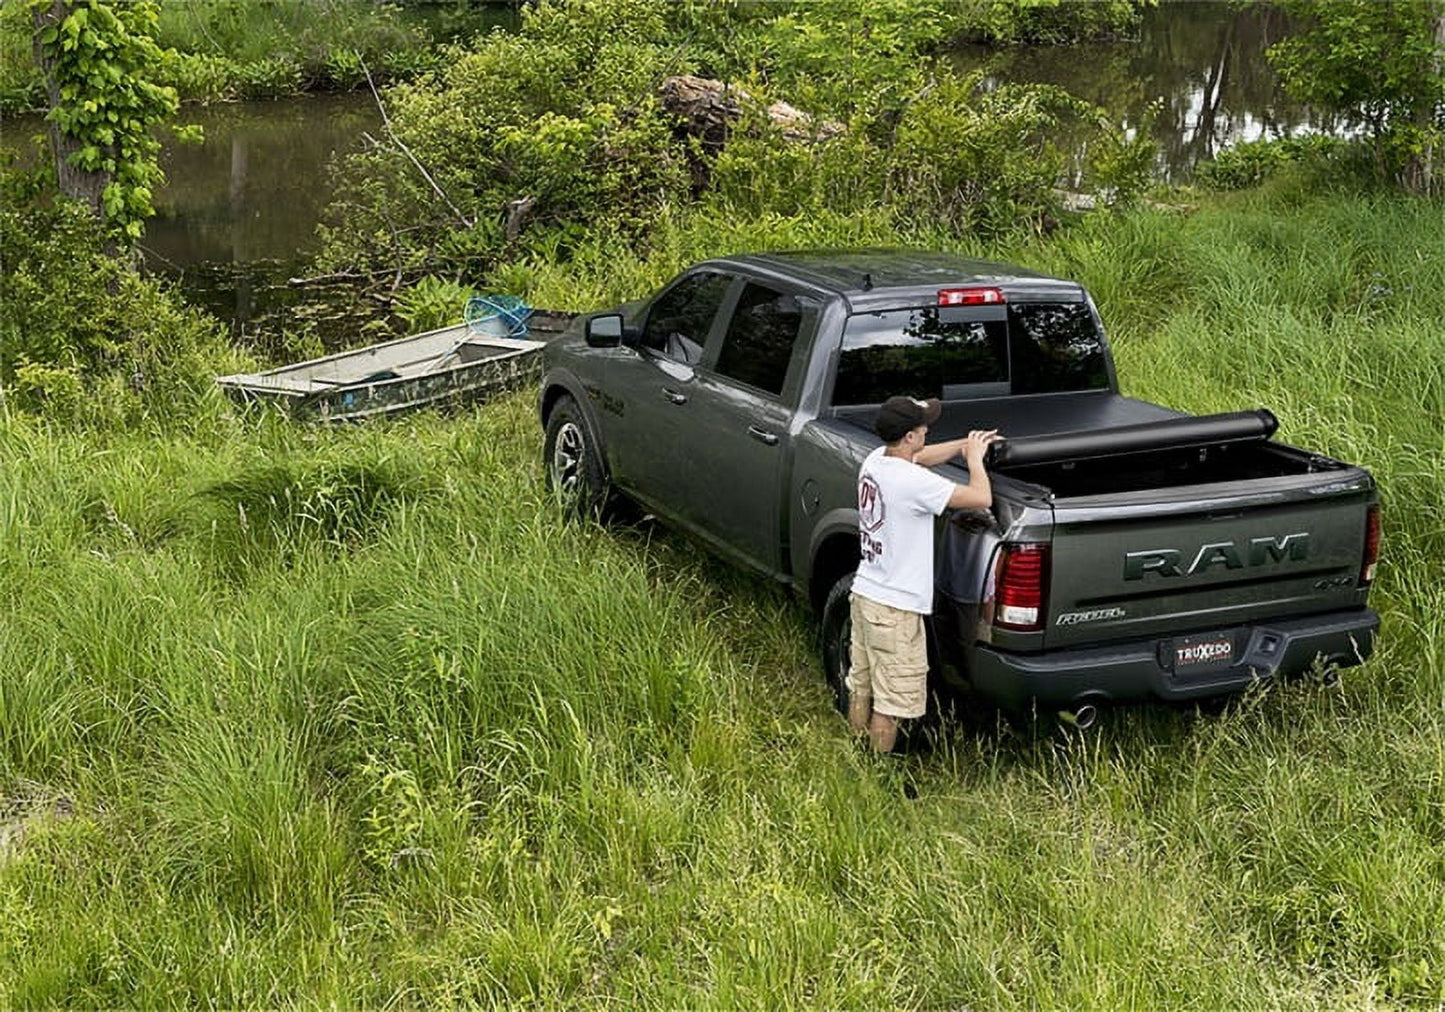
[[898, 498]]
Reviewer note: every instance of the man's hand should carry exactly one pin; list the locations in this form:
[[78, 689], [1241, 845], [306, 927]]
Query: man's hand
[[978, 493], [976, 445]]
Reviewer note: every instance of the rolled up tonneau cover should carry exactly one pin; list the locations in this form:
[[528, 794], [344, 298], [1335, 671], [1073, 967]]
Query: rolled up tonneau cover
[[1177, 433]]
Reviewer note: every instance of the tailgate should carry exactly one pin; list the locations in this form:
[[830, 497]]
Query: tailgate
[[1219, 556]]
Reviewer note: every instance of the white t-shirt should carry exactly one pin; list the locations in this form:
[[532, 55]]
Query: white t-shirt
[[897, 501]]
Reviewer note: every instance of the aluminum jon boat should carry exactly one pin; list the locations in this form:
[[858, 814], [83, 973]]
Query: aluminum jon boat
[[452, 366]]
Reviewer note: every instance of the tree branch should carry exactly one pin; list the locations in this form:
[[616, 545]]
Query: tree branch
[[386, 122]]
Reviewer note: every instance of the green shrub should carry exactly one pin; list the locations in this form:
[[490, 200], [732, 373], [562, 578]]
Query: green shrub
[[1250, 163], [541, 133], [1059, 21], [432, 303], [972, 159], [73, 318]]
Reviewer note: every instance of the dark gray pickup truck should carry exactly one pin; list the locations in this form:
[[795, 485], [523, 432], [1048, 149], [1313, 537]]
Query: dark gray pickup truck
[[1132, 552]]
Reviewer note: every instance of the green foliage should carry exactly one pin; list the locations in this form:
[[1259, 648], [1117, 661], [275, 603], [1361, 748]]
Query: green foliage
[[1054, 22], [544, 138], [276, 513], [258, 49], [1377, 62], [20, 84], [249, 49], [432, 303], [446, 749], [104, 63], [971, 159], [300, 33], [561, 117], [1250, 163], [81, 335]]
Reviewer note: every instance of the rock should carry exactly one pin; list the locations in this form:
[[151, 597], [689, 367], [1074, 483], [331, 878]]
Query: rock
[[709, 109]]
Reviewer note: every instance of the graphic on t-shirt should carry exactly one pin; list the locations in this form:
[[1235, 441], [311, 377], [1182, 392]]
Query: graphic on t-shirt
[[870, 504]]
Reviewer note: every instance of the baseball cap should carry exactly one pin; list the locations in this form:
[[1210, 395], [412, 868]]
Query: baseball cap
[[901, 415]]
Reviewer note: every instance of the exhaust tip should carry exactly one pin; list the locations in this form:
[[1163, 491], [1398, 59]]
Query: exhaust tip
[[1083, 716]]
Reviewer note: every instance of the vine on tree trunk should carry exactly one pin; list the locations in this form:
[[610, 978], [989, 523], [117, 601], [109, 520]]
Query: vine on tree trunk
[[100, 63]]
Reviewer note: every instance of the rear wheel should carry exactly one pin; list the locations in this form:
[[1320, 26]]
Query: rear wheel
[[575, 472], [836, 635]]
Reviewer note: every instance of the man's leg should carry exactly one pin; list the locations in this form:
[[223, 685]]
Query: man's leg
[[860, 710], [900, 679], [860, 684], [882, 732]]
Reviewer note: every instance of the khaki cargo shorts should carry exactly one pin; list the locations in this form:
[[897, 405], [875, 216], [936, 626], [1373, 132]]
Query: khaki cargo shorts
[[888, 658]]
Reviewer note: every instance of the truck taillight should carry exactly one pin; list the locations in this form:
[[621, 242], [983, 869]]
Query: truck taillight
[[970, 297], [1021, 587], [1372, 546]]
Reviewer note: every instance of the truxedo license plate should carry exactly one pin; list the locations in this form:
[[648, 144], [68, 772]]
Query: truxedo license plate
[[1210, 651]]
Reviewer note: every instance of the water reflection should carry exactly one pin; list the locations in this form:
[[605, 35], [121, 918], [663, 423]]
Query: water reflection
[[238, 213], [1196, 79]]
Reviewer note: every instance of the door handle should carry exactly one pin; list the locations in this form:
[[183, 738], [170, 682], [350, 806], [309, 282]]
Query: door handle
[[674, 396], [763, 435]]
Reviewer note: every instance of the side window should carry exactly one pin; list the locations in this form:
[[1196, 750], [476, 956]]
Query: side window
[[760, 337], [1057, 347], [679, 320]]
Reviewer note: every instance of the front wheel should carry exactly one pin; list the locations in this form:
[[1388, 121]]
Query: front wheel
[[836, 638], [573, 460]]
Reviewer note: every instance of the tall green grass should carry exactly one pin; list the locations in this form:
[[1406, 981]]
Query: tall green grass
[[351, 716]]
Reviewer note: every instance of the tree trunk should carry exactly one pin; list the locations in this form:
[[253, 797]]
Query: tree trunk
[[1434, 166], [83, 184], [1421, 173]]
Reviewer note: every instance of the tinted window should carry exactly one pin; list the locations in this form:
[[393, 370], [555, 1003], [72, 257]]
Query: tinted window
[[759, 341], [1056, 347], [679, 320], [931, 352]]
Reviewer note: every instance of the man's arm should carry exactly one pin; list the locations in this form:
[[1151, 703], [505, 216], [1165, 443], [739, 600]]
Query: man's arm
[[978, 493], [939, 453]]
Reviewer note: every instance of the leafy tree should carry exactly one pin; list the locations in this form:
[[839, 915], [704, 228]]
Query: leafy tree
[[1381, 63], [100, 63]]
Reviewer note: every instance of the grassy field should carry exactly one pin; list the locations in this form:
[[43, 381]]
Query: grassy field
[[301, 717]]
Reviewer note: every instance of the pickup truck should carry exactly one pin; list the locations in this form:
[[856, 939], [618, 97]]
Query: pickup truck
[[1132, 552]]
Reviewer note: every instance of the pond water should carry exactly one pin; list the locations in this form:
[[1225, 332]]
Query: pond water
[[1196, 79], [238, 213]]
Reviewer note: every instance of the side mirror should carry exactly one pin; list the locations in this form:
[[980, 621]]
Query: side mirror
[[604, 331]]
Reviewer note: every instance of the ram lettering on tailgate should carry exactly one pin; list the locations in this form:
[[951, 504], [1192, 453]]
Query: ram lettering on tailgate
[[1288, 548]]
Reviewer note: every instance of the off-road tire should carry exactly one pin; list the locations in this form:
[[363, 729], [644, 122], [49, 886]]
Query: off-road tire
[[835, 632], [572, 462]]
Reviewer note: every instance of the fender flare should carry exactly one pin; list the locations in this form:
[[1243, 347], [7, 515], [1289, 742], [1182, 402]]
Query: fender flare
[[836, 523], [555, 384]]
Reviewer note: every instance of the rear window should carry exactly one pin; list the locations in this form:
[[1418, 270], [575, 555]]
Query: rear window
[[931, 352], [958, 352], [1057, 347]]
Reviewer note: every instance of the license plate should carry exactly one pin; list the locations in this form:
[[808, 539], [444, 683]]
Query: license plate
[[1203, 651]]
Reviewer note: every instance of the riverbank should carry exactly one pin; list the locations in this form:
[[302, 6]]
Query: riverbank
[[266, 49], [314, 716]]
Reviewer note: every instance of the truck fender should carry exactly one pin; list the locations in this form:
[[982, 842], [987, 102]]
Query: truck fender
[[559, 382], [832, 551]]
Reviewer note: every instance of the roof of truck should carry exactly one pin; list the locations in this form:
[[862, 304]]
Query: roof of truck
[[883, 274]]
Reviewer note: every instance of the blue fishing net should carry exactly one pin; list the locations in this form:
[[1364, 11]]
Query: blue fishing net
[[497, 316]]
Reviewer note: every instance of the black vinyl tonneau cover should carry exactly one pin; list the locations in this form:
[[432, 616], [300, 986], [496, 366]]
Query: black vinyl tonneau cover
[[1031, 415]]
